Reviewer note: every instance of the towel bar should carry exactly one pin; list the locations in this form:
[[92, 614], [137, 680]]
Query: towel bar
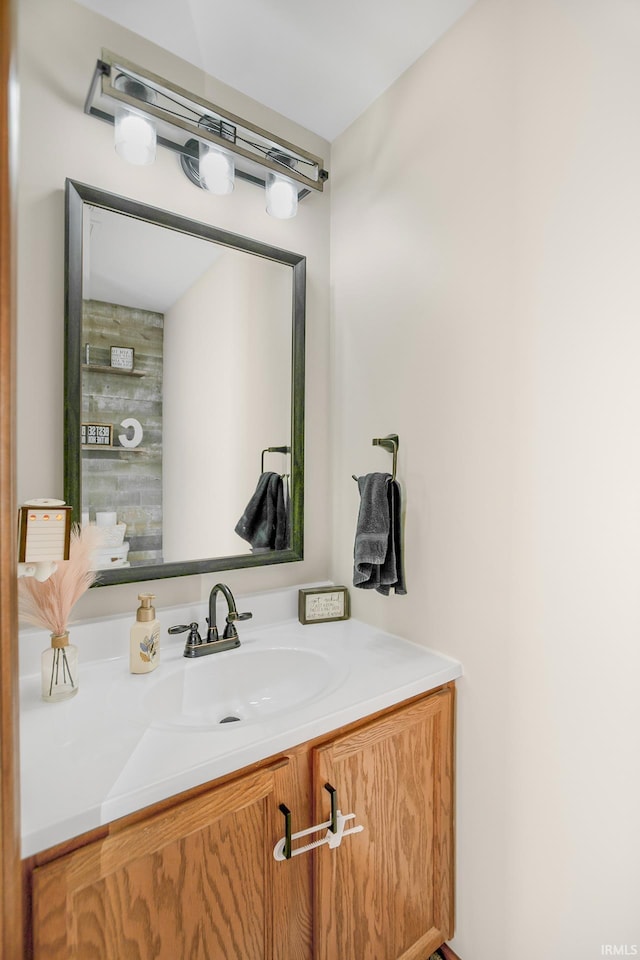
[[272, 450], [390, 443]]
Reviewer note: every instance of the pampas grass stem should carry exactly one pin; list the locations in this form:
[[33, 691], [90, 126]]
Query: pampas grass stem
[[49, 604]]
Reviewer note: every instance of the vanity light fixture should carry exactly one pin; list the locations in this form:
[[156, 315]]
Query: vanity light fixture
[[214, 145]]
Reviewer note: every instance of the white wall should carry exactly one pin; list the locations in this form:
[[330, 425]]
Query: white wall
[[59, 43], [485, 232], [574, 718]]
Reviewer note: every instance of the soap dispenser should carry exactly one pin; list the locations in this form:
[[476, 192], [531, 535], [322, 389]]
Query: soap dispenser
[[144, 651]]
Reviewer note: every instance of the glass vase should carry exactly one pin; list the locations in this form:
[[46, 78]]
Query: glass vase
[[59, 669]]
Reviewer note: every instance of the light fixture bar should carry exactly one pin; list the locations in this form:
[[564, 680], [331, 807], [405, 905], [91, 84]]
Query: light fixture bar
[[184, 120]]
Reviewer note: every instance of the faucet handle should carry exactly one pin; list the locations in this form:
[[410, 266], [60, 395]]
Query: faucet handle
[[194, 634], [230, 632], [234, 615]]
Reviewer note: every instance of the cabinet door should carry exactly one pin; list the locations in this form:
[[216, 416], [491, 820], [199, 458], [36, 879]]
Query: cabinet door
[[387, 893], [191, 883]]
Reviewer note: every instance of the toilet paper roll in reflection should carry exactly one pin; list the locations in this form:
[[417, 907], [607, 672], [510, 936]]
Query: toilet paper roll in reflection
[[131, 424]]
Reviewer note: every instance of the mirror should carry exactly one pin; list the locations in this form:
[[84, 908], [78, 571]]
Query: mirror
[[184, 390]]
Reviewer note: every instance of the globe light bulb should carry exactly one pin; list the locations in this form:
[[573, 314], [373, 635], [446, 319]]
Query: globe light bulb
[[282, 197], [135, 137], [135, 134], [217, 170]]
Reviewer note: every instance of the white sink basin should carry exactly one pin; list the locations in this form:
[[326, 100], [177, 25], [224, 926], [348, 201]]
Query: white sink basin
[[226, 690]]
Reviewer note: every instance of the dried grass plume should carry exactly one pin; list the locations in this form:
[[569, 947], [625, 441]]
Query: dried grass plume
[[49, 604]]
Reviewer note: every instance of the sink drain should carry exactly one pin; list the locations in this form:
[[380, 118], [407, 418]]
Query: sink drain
[[229, 719]]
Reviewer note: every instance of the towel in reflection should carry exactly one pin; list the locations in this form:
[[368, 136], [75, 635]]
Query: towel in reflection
[[377, 553], [265, 523]]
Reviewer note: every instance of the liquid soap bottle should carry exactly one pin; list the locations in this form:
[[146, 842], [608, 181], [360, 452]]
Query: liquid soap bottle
[[144, 651]]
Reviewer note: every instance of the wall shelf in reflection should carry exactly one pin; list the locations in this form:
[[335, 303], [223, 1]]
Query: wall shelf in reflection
[[100, 447], [98, 368]]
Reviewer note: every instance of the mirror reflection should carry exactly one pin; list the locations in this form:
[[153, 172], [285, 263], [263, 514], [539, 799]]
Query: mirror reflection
[[184, 383]]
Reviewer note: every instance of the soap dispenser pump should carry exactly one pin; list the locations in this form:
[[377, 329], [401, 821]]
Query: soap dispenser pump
[[144, 650]]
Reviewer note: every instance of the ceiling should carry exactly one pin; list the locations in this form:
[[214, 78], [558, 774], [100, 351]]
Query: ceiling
[[319, 64]]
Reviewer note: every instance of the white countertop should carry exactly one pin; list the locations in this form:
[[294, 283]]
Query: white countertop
[[101, 755]]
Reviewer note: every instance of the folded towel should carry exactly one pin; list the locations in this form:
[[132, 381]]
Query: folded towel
[[281, 529], [392, 572], [264, 523], [372, 531], [285, 526], [377, 549]]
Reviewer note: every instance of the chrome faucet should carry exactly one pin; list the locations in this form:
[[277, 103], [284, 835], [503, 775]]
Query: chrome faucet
[[195, 645]]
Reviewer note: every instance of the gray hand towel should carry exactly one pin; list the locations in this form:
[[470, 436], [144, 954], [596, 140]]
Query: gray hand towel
[[392, 572], [264, 521], [280, 539], [378, 563], [372, 532]]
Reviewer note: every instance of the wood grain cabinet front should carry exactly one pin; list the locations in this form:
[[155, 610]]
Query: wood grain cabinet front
[[388, 892], [193, 882], [197, 880]]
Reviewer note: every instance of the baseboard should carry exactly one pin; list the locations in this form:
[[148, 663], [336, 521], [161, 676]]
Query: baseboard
[[448, 953]]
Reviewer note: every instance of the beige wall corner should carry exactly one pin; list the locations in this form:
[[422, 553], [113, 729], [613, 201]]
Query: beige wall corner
[[485, 300]]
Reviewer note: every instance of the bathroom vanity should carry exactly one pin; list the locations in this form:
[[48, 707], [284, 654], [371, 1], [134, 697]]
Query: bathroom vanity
[[166, 872]]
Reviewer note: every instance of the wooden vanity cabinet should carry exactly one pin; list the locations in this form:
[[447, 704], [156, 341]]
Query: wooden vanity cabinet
[[388, 891], [196, 880]]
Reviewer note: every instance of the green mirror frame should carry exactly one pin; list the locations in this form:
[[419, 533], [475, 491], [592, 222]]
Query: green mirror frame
[[76, 195]]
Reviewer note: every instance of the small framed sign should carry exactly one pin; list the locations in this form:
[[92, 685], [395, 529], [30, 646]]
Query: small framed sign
[[44, 531], [322, 604], [96, 434], [122, 358]]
